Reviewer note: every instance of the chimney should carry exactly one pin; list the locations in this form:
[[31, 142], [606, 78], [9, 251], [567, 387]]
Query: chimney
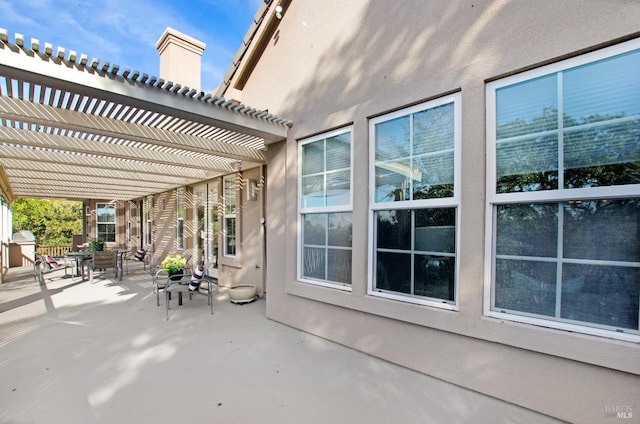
[[180, 58]]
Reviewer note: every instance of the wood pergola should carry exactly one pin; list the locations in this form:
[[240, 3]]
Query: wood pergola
[[76, 128]]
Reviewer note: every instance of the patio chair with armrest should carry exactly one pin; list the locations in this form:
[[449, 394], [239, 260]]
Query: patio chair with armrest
[[40, 268], [159, 283], [51, 263], [180, 284], [139, 255], [103, 260]]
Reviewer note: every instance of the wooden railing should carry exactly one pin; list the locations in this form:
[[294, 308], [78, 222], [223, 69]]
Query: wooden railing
[[53, 250]]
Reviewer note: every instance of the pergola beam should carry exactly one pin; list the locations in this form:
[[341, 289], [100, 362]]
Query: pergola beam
[[42, 115], [41, 68]]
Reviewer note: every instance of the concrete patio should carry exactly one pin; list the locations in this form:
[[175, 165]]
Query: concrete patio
[[76, 352]]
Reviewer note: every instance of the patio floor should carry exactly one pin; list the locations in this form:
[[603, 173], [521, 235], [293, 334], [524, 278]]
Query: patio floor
[[76, 352]]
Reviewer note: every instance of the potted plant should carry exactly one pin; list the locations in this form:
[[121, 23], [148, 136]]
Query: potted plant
[[174, 264], [97, 244]]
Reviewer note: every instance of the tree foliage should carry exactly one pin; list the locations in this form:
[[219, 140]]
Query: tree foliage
[[52, 222]]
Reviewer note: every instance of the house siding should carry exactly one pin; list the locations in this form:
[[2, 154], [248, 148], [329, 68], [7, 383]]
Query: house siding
[[333, 64]]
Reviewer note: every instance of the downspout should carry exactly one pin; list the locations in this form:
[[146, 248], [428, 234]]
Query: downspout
[[262, 185]]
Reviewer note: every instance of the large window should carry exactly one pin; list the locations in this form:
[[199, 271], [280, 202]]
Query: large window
[[106, 221], [230, 210], [149, 212], [325, 209], [180, 218], [564, 193], [414, 208]]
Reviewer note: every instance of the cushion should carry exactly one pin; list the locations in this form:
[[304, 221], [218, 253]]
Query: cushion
[[52, 262], [196, 276], [139, 255]]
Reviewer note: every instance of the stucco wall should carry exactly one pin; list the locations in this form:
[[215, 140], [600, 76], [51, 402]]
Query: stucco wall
[[335, 63], [248, 265]]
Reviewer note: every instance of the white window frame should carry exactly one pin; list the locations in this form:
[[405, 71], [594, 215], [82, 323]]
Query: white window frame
[[230, 216], [113, 223], [556, 196], [180, 211], [449, 202], [302, 211], [149, 210]]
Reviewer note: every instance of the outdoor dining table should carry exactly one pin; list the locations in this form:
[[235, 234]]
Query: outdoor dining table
[[83, 255], [80, 257], [121, 254]]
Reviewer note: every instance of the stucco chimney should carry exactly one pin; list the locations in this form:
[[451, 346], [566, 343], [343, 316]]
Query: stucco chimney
[[180, 58]]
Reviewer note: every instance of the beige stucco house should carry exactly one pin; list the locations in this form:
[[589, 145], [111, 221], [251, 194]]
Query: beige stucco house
[[455, 189], [459, 192]]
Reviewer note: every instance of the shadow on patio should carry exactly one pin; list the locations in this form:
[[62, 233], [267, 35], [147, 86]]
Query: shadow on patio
[[73, 352]]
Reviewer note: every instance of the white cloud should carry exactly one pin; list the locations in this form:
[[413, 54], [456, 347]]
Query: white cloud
[[126, 31]]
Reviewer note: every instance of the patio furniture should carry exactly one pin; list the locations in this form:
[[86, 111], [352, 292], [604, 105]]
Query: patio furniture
[[103, 260], [121, 260], [52, 263], [140, 255], [81, 258], [39, 269], [159, 283], [180, 284]]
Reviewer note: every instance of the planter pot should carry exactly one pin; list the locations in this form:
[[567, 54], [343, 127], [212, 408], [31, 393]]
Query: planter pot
[[176, 275], [244, 293]]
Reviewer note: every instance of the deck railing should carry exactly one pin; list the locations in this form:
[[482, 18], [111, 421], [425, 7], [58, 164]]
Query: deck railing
[[53, 250]]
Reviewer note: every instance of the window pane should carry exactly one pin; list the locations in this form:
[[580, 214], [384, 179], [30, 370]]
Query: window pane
[[312, 191], [527, 230], [606, 295], [315, 229], [393, 180], [436, 177], [339, 229], [526, 286], [180, 235], [527, 164], [602, 230], [393, 230], [602, 90], [313, 263], [435, 230], [393, 272], [338, 188], [105, 213], [320, 230], [433, 130], [339, 265], [603, 155], [392, 139], [528, 107], [435, 276], [230, 233], [313, 158], [339, 152], [229, 196], [108, 232]]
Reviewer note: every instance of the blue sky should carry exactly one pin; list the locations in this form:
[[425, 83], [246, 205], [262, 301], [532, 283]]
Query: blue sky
[[125, 32]]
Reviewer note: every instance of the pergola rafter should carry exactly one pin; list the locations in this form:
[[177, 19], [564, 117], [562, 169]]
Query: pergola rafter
[[75, 128]]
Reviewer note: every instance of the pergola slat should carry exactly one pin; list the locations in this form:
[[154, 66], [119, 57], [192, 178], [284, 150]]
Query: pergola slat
[[81, 129]]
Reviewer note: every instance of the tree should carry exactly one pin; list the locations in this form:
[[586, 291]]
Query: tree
[[52, 222]]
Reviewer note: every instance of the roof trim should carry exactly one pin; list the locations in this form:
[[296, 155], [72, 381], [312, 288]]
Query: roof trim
[[254, 43]]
